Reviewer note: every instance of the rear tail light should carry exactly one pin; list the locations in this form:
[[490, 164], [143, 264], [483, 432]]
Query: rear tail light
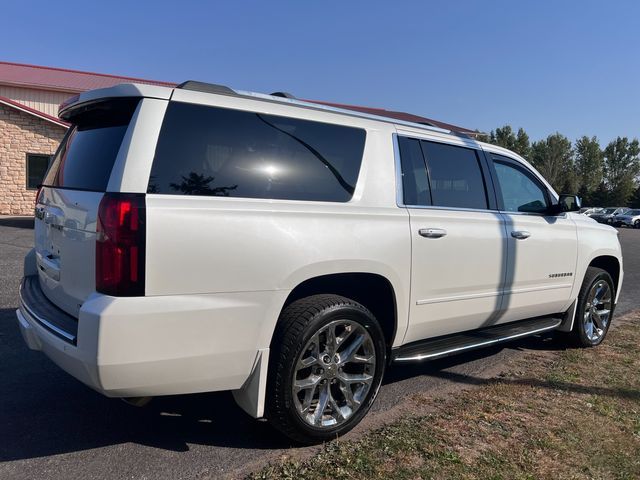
[[39, 194], [120, 245]]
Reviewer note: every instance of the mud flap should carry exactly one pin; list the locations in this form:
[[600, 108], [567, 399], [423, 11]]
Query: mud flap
[[569, 316], [251, 396]]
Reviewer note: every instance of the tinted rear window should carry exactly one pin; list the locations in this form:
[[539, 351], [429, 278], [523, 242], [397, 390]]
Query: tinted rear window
[[86, 156], [220, 152]]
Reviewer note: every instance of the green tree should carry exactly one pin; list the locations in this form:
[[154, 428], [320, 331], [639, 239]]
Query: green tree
[[622, 166], [522, 146], [553, 157], [600, 196], [635, 201], [505, 137], [482, 137], [589, 167]]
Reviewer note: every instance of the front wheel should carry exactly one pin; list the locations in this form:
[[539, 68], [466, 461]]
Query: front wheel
[[595, 308], [328, 359], [636, 224]]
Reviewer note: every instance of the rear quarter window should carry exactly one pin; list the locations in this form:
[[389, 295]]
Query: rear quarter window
[[213, 151]]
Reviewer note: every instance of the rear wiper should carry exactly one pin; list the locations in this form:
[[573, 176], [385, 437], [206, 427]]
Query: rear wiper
[[343, 183]]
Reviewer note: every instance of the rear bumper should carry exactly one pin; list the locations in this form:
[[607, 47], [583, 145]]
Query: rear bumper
[[71, 359], [146, 346], [45, 313]]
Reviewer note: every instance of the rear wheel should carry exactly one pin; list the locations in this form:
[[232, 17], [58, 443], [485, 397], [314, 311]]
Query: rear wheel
[[595, 308], [636, 224], [328, 359]]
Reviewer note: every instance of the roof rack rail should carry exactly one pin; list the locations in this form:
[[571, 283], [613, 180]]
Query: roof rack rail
[[224, 90], [206, 87], [453, 132], [282, 94]]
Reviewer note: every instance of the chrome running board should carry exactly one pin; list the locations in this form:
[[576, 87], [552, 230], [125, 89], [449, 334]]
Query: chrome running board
[[439, 347]]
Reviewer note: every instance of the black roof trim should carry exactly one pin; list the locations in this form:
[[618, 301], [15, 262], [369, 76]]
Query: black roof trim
[[283, 95], [206, 87]]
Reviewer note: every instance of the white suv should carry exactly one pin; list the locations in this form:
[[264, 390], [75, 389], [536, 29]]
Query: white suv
[[200, 239]]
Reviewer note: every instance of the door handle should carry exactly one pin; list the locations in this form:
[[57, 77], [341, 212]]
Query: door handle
[[520, 234], [432, 232]]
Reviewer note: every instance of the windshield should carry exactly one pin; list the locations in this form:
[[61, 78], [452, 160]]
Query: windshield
[[609, 211]]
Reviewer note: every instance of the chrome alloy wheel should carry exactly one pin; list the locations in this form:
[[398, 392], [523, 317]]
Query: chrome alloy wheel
[[597, 311], [333, 373]]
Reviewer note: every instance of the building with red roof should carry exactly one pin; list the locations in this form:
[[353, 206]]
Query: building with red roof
[[30, 129]]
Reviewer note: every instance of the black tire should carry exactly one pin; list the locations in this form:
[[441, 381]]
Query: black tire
[[298, 323], [636, 224], [579, 335]]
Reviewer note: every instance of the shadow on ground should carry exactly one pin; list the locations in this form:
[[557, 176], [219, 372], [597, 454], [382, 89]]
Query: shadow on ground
[[46, 412], [17, 222]]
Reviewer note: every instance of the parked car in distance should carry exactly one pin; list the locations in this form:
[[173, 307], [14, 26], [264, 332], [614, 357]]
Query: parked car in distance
[[198, 239], [590, 211], [608, 214], [631, 218]]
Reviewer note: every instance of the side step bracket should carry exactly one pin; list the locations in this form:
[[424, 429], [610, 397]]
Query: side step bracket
[[439, 347]]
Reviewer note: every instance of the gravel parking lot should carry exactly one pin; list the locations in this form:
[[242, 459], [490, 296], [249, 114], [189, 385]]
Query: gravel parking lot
[[51, 425]]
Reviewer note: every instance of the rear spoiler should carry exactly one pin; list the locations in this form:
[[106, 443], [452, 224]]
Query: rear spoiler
[[121, 90]]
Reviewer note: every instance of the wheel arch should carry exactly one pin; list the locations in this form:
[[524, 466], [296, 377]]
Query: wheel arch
[[372, 290], [609, 264]]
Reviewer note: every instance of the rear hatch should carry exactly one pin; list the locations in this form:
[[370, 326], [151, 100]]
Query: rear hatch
[[67, 205]]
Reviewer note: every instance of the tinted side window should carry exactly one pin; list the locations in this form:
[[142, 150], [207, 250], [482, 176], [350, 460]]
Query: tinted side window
[[455, 175], [415, 183], [520, 192], [220, 152]]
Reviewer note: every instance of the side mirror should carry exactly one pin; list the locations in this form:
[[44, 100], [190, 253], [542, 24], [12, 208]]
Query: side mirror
[[567, 203]]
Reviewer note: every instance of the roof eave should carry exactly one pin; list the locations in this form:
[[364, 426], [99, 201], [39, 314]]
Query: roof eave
[[38, 86], [23, 108]]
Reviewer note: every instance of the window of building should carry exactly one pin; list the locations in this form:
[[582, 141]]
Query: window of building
[[455, 176], [222, 152], [37, 165]]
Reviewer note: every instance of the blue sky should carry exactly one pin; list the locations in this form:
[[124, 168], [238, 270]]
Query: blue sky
[[568, 66]]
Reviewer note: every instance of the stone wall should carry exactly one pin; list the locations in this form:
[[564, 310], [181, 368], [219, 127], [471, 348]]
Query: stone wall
[[22, 133]]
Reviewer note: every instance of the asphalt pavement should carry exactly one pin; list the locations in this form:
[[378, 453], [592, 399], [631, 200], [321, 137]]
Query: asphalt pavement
[[53, 427]]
